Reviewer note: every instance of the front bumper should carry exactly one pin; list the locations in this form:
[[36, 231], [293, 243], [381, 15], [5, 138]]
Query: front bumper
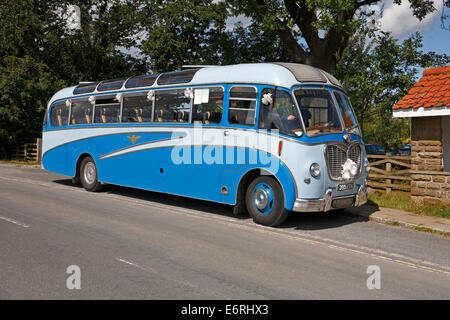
[[328, 202]]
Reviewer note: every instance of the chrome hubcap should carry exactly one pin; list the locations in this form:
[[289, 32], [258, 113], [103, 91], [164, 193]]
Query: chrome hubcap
[[89, 173], [260, 198], [263, 198]]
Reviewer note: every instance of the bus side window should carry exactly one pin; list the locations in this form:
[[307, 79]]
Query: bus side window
[[242, 106], [81, 111], [208, 105], [265, 110], [137, 108], [59, 114], [279, 113], [172, 106], [107, 110], [45, 122]]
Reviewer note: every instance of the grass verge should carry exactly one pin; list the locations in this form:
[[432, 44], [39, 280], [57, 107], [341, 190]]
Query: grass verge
[[20, 162], [403, 201]]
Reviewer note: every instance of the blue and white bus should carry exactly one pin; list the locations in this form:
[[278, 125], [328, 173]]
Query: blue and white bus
[[267, 138]]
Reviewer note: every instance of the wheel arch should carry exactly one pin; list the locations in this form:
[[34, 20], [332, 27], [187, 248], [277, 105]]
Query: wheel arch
[[78, 163], [283, 177]]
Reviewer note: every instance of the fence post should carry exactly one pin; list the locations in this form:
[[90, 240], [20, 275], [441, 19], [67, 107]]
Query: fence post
[[388, 171], [25, 152], [38, 149]]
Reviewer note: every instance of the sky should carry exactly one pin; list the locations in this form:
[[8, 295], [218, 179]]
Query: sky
[[399, 20]]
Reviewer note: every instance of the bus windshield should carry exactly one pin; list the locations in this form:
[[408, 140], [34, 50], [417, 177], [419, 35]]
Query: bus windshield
[[318, 111], [348, 115]]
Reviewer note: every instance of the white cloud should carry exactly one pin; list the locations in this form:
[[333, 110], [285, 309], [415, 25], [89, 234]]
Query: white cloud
[[400, 20]]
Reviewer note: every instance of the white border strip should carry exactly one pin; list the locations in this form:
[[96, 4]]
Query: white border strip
[[421, 112]]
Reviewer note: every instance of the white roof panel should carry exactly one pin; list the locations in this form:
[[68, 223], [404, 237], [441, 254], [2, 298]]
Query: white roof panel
[[277, 74]]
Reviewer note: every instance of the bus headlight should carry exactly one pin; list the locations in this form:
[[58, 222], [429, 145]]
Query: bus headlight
[[314, 170]]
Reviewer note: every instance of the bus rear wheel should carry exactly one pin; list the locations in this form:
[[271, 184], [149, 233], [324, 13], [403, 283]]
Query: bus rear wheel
[[265, 201], [88, 175]]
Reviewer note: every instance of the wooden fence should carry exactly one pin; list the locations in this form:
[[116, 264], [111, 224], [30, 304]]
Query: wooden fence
[[29, 151], [390, 172]]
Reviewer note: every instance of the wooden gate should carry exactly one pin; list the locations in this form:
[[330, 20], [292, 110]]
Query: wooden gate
[[390, 172], [29, 152]]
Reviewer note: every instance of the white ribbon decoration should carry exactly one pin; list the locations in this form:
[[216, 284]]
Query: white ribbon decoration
[[349, 169], [151, 96], [119, 97], [267, 99], [189, 93], [68, 103], [92, 99]]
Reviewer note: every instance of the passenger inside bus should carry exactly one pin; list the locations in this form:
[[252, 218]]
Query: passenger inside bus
[[280, 114]]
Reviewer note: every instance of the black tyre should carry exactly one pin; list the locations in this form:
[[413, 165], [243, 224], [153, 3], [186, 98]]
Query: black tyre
[[265, 201], [88, 175]]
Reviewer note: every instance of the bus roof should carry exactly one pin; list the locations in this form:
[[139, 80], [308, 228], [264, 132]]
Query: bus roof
[[277, 73]]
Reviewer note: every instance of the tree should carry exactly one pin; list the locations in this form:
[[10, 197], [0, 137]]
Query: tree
[[181, 32], [247, 45], [379, 73], [316, 32], [40, 54], [25, 86]]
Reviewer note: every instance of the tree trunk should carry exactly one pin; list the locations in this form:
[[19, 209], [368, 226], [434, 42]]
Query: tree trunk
[[3, 152]]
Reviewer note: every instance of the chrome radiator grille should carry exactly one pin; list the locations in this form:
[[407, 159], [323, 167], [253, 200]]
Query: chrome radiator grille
[[337, 155]]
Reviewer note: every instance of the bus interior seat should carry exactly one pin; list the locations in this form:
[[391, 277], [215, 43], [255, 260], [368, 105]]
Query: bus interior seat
[[146, 114], [103, 115], [139, 113], [212, 117], [166, 115], [87, 115], [234, 119], [58, 114], [183, 116]]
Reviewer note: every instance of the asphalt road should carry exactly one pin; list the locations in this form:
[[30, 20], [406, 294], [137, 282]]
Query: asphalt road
[[134, 244]]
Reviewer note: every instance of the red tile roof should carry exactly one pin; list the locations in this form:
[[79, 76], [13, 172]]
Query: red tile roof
[[432, 90]]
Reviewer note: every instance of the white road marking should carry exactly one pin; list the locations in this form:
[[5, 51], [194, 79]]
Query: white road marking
[[15, 222], [162, 275], [133, 264]]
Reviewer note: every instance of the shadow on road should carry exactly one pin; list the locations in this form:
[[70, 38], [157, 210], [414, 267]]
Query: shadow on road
[[295, 220]]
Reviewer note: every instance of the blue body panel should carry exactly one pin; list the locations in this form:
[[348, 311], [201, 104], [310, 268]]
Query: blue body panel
[[153, 169]]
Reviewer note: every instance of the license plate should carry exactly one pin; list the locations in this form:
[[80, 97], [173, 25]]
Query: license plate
[[346, 186]]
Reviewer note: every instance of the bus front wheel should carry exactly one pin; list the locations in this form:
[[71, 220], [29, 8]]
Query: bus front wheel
[[265, 201], [88, 175]]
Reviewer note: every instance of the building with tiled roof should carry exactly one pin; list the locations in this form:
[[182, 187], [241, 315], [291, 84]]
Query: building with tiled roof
[[429, 96], [428, 105]]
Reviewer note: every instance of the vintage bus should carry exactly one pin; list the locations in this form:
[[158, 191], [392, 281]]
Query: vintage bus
[[267, 138]]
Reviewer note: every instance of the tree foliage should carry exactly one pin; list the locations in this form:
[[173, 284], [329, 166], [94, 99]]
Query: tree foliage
[[181, 32], [316, 32], [377, 74], [40, 54]]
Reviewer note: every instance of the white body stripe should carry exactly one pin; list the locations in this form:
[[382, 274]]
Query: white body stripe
[[258, 140]]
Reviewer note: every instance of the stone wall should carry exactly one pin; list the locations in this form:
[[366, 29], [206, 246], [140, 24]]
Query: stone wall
[[430, 187], [427, 155], [429, 182]]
